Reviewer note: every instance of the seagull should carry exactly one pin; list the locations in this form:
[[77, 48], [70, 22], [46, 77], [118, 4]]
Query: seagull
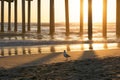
[[66, 55]]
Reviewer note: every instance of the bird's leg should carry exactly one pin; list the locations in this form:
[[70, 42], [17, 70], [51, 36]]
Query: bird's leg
[[66, 59]]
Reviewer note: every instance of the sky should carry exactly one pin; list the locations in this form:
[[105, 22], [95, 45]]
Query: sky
[[74, 11]]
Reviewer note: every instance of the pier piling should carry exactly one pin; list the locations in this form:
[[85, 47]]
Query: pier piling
[[90, 20], [67, 17], [52, 22], [118, 19], [81, 18], [23, 16], [2, 15], [105, 19], [39, 17]]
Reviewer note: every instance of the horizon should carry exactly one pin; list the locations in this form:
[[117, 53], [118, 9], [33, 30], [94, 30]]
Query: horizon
[[59, 24]]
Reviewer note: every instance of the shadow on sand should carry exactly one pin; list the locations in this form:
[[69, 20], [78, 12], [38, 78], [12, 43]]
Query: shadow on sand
[[88, 53], [89, 68]]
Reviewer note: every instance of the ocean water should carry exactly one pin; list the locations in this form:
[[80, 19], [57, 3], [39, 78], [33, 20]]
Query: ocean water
[[32, 43], [60, 32]]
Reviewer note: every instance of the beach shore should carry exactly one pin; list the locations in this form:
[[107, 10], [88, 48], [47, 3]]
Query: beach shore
[[48, 58], [83, 65], [87, 69]]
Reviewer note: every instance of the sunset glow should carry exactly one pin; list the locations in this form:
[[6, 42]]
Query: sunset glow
[[74, 11]]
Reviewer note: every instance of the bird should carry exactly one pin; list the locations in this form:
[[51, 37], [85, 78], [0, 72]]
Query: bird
[[66, 55]]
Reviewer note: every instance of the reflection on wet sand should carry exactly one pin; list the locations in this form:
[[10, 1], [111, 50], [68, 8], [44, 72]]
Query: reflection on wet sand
[[28, 50], [16, 52], [39, 49]]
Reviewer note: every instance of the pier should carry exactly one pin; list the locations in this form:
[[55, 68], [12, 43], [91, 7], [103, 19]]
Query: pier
[[26, 27]]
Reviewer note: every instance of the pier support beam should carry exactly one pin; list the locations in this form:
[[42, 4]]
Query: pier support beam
[[90, 20], [15, 17], [118, 19], [23, 16], [67, 17], [29, 14], [9, 15], [39, 17], [104, 19], [2, 15], [81, 18], [52, 22]]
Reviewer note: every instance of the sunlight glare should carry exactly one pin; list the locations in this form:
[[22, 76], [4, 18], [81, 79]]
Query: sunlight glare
[[74, 11]]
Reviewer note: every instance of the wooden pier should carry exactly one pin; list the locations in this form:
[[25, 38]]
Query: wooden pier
[[26, 27], [118, 19]]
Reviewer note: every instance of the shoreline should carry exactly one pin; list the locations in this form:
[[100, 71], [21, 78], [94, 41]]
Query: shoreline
[[7, 43]]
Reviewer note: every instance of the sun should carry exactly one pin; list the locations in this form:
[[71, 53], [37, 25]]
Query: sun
[[97, 10], [74, 8]]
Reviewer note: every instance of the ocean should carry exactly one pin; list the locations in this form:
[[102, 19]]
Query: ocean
[[33, 43], [60, 32]]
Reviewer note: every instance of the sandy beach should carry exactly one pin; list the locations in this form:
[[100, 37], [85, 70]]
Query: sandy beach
[[83, 65], [88, 69], [48, 58]]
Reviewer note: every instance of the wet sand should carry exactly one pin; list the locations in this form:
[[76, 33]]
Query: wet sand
[[48, 58]]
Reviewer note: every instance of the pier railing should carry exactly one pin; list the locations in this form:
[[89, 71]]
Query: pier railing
[[52, 17]]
